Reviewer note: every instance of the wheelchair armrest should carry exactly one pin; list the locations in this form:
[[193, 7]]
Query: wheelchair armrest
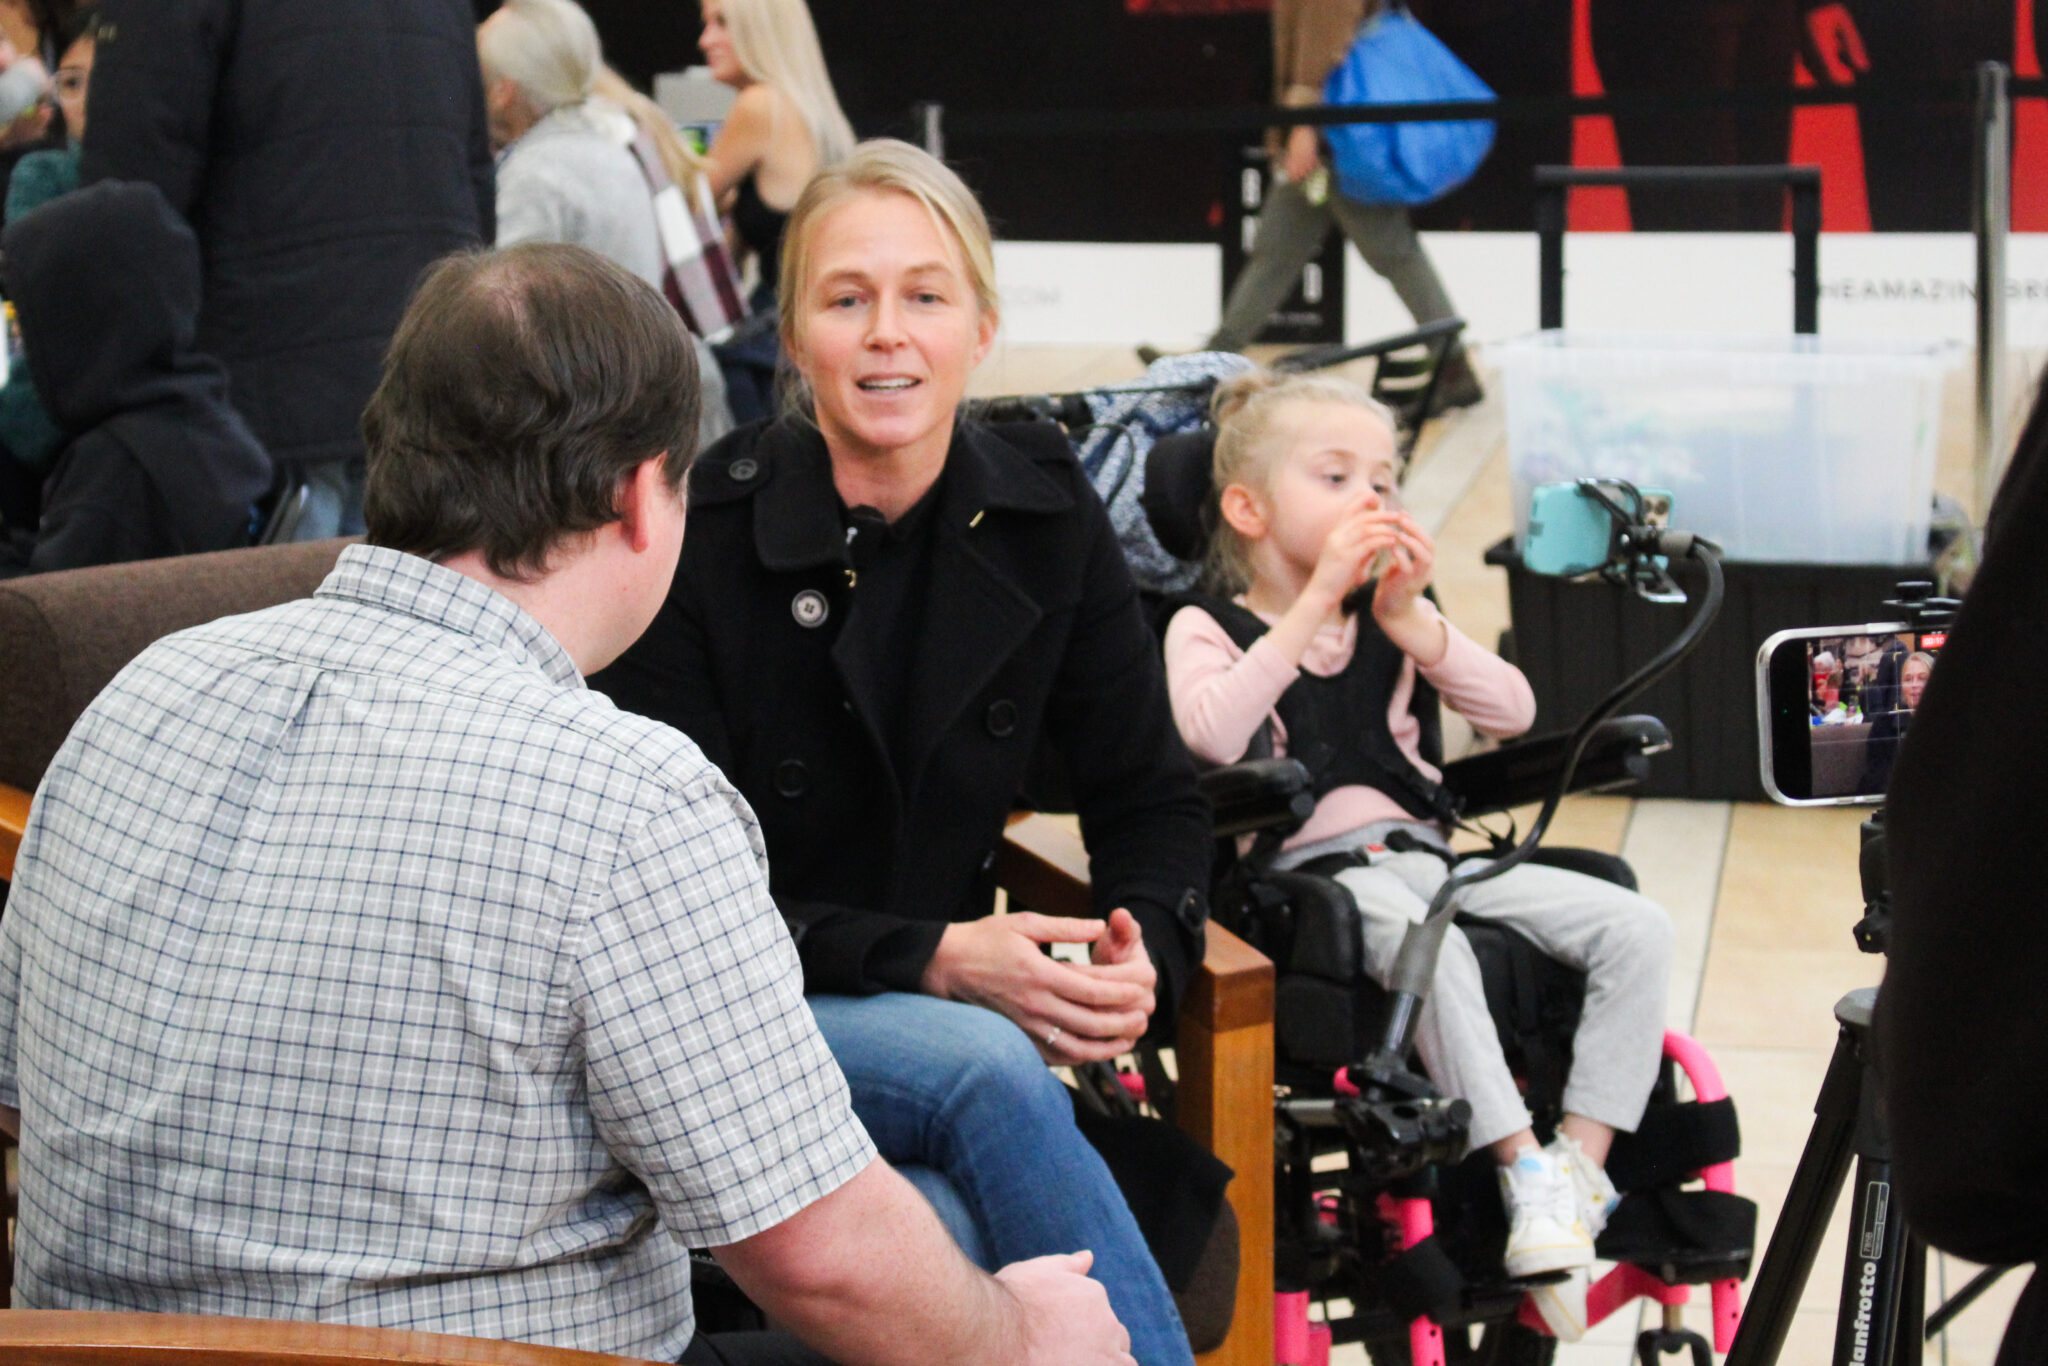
[[1618, 755], [13, 822], [1258, 794]]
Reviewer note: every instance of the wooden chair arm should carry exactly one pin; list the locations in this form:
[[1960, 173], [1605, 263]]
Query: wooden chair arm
[[1224, 1046], [13, 820], [57, 1337]]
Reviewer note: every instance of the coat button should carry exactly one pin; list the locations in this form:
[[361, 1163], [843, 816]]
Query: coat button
[[1002, 718], [742, 469], [792, 779], [810, 608]]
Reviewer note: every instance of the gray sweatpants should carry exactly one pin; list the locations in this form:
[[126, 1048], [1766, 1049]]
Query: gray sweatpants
[[1291, 232], [1618, 938]]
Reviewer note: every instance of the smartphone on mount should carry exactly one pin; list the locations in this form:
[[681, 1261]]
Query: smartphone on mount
[[1570, 535], [1833, 705]]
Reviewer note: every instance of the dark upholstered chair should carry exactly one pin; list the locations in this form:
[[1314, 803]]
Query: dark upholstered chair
[[64, 636]]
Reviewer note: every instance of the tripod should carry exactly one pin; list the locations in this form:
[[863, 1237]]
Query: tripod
[[1881, 1321], [1884, 1278]]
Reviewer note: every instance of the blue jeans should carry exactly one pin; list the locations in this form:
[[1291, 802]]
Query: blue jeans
[[960, 1090]]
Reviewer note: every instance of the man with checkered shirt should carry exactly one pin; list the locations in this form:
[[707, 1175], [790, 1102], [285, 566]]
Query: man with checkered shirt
[[361, 965]]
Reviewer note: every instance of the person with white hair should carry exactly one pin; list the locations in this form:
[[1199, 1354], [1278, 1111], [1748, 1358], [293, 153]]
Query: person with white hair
[[584, 159], [1826, 705]]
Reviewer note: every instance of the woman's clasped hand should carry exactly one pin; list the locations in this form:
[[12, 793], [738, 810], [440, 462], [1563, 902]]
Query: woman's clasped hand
[[1074, 1012]]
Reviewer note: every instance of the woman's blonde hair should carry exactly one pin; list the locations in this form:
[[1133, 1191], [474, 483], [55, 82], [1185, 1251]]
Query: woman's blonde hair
[[776, 44], [548, 48], [885, 166], [682, 161], [1249, 449]]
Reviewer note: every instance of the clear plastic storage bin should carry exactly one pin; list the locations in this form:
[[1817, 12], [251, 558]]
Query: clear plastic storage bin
[[1791, 449]]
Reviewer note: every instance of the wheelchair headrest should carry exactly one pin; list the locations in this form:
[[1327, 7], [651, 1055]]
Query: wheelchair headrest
[[1179, 497]]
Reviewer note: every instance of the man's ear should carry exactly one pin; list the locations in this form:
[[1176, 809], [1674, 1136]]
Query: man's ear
[[1244, 511], [638, 495]]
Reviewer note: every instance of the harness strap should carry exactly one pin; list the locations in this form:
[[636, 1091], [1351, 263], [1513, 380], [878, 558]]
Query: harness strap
[[1674, 1141], [1423, 1280]]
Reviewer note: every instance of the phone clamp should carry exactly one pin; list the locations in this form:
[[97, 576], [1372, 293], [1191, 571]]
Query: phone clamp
[[1637, 557], [1917, 606]]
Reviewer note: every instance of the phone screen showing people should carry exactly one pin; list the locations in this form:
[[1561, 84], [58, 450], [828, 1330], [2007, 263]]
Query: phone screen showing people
[[1843, 701]]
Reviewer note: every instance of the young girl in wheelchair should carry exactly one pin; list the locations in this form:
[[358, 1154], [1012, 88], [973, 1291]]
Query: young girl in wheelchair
[[1324, 653]]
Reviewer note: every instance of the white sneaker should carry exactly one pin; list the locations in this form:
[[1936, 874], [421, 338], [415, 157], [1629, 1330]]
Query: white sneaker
[[1562, 1306], [1545, 1232], [1597, 1195]]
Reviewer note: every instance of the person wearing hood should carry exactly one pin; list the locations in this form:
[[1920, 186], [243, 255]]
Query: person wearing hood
[[106, 285], [29, 441]]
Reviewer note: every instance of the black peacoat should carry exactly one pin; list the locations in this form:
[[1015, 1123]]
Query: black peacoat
[[1031, 631]]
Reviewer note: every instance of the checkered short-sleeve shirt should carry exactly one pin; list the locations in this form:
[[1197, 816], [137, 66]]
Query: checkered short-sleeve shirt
[[361, 965]]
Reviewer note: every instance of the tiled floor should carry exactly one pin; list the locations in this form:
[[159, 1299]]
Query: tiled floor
[[1763, 896]]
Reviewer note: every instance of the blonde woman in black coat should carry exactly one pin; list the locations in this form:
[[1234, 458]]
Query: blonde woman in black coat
[[880, 613]]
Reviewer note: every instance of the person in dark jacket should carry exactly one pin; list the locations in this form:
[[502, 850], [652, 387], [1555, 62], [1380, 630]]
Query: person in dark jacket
[[1961, 1041], [106, 283], [325, 154], [880, 612]]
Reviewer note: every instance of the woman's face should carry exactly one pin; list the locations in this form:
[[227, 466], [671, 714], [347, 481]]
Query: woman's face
[[74, 71], [1913, 682], [716, 43], [887, 327]]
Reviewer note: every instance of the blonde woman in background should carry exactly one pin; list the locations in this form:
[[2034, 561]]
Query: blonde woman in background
[[784, 128]]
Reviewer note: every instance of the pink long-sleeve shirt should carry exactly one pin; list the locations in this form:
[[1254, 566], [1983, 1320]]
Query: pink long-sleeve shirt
[[1220, 694]]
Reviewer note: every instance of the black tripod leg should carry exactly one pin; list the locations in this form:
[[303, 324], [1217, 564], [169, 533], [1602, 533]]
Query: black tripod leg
[[1809, 1203], [1912, 1304], [1939, 1321], [1875, 1275]]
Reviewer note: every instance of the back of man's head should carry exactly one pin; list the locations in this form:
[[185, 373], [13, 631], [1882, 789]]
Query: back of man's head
[[548, 48], [522, 389]]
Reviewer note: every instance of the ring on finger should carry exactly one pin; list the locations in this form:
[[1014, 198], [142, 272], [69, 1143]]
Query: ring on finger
[[1054, 1037]]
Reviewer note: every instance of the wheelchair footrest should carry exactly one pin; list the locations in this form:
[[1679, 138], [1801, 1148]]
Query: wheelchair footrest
[[1684, 1237]]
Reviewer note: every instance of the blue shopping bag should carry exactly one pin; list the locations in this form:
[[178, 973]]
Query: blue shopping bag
[[1395, 60]]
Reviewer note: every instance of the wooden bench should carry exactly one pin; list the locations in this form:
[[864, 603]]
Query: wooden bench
[[55, 1337]]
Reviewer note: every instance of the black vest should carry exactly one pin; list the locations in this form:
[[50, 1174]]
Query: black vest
[[1337, 726]]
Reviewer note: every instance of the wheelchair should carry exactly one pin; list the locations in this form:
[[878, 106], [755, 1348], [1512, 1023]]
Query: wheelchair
[[1382, 1219], [1405, 1226]]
